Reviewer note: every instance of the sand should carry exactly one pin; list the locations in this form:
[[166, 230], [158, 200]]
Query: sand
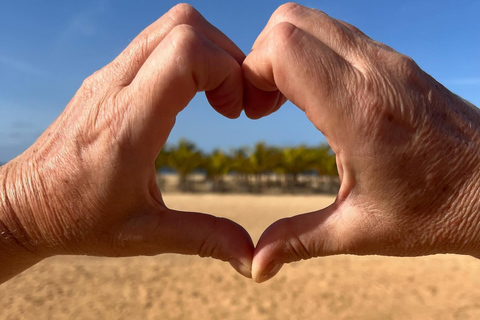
[[187, 287]]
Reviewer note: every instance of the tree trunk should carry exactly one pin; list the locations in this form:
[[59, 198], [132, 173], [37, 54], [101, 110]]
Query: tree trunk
[[258, 183], [183, 183]]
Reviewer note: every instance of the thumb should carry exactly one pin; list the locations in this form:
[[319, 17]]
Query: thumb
[[169, 231], [337, 229]]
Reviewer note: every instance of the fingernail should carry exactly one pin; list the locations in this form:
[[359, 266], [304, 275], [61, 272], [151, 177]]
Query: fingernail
[[241, 268], [270, 271]]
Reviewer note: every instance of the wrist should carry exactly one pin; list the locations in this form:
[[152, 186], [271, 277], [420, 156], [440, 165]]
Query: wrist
[[467, 204], [471, 217], [17, 249]]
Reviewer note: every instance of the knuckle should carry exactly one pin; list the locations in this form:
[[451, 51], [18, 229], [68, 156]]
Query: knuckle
[[285, 34], [407, 69], [354, 29], [341, 34], [184, 34], [184, 13], [287, 10], [92, 84], [210, 246], [90, 80], [207, 249], [185, 41], [293, 12], [188, 53], [322, 16], [141, 45], [405, 64], [295, 248], [346, 37], [132, 58]]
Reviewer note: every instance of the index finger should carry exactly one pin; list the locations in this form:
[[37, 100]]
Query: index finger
[[184, 63], [125, 67], [337, 35], [306, 70]]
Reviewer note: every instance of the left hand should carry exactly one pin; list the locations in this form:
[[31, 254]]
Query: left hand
[[87, 186]]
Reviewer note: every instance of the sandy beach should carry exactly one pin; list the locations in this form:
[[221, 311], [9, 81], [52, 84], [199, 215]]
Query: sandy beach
[[188, 287]]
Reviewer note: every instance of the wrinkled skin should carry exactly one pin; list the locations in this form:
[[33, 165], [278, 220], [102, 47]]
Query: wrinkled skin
[[87, 186], [407, 148]]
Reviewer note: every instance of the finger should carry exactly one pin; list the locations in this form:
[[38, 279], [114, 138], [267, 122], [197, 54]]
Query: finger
[[168, 231], [260, 103], [184, 63], [305, 70], [338, 36], [126, 65]]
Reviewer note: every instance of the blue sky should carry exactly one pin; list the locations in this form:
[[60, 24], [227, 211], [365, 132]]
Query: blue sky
[[49, 47]]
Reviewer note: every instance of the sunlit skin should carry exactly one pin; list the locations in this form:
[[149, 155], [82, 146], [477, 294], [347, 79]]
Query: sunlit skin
[[87, 186], [407, 150]]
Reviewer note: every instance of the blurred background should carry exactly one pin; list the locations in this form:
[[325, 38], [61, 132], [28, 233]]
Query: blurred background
[[231, 168]]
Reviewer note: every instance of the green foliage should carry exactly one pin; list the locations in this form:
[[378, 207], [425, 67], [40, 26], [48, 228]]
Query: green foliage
[[297, 160], [162, 159], [217, 164], [263, 159], [185, 157], [240, 161], [325, 162]]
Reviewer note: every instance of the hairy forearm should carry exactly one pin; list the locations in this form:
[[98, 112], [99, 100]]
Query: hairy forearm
[[16, 255]]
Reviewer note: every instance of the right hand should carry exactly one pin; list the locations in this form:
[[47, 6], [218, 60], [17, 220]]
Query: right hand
[[408, 150]]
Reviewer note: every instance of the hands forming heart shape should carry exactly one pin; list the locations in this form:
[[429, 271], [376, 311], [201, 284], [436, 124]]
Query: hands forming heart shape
[[406, 147]]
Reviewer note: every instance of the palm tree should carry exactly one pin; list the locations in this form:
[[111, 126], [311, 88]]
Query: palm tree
[[216, 166], [261, 160], [184, 159], [161, 162], [295, 161], [162, 159], [325, 162], [326, 167], [247, 163], [241, 166]]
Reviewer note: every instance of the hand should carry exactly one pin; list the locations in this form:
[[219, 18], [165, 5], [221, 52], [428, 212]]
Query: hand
[[407, 149], [87, 186]]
